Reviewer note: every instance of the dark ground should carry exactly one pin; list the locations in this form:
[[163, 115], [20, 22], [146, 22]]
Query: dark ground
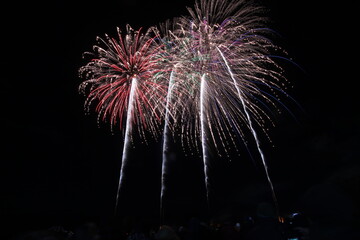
[[59, 168]]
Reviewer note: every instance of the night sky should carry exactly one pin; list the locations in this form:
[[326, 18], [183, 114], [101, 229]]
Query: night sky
[[60, 168]]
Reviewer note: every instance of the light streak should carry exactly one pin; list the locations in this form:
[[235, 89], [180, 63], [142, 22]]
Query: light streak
[[128, 132]]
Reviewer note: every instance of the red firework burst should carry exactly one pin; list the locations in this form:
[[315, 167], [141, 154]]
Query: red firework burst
[[110, 74]]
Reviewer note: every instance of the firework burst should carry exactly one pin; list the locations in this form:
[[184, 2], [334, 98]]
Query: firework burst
[[210, 78], [229, 83], [128, 80], [227, 42], [111, 73]]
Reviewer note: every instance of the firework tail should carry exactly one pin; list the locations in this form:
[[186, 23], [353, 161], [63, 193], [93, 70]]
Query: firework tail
[[127, 141], [203, 96], [165, 146], [248, 118]]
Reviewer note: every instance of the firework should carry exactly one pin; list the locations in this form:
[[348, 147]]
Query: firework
[[127, 78], [226, 77], [109, 79], [210, 78]]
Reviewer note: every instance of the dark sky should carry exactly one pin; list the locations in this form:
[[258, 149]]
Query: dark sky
[[61, 169]]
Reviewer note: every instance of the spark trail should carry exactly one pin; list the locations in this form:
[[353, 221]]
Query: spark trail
[[240, 95], [165, 146], [127, 141], [203, 122]]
